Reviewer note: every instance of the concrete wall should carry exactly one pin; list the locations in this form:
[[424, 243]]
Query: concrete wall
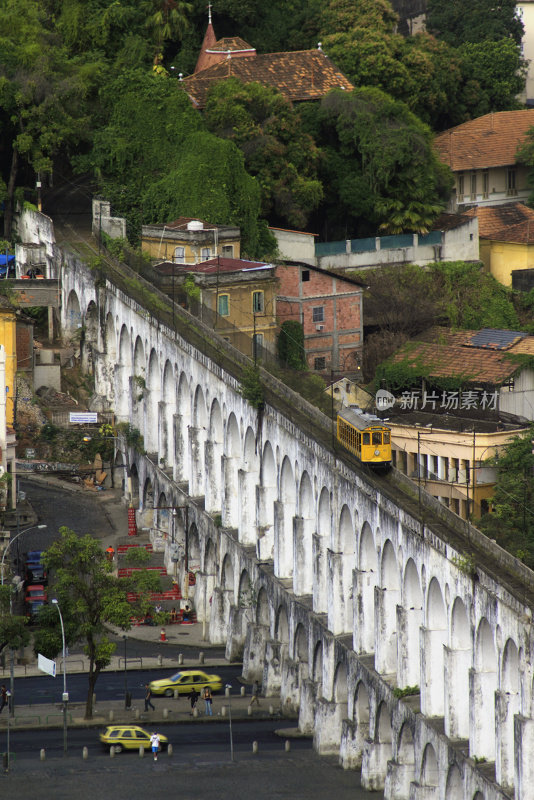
[[36, 230], [115, 227], [333, 586], [295, 245], [525, 11], [458, 244]]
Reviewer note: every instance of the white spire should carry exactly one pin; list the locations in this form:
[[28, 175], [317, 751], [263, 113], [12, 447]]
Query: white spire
[[209, 13]]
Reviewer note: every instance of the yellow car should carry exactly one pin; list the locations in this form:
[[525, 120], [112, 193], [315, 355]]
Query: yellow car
[[129, 737], [182, 682]]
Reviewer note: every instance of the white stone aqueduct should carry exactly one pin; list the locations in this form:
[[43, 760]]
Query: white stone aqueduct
[[362, 600]]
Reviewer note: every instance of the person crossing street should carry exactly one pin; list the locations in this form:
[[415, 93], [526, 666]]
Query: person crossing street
[[148, 695]]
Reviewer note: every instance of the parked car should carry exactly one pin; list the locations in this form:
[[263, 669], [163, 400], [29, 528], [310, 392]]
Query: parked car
[[129, 737], [36, 592], [34, 570], [33, 608], [182, 682]]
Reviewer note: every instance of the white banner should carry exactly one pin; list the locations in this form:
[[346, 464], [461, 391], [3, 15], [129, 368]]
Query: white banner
[[83, 417], [46, 665]]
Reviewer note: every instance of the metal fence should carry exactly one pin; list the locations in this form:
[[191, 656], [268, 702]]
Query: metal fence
[[433, 237], [369, 245], [363, 245], [398, 240], [330, 248]]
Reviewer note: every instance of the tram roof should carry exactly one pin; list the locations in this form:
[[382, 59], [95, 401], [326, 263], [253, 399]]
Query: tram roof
[[360, 420]]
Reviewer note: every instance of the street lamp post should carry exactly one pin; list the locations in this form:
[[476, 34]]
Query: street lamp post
[[65, 694], [12, 665], [229, 687], [14, 539], [127, 700]]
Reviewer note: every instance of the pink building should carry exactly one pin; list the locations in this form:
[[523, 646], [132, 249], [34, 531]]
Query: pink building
[[329, 306]]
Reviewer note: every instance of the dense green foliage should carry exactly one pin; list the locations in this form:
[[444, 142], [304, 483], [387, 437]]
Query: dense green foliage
[[512, 522], [479, 21], [454, 293], [251, 389], [89, 597], [277, 152], [154, 130], [291, 345], [14, 632], [379, 170], [444, 81], [473, 298], [89, 84]]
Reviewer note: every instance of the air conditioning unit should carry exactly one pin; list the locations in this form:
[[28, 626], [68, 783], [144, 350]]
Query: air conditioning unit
[[319, 327]]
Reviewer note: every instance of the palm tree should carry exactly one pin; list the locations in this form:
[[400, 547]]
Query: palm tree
[[169, 20]]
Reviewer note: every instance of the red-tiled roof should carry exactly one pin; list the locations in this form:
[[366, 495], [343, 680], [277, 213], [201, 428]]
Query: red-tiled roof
[[231, 44], [510, 222], [301, 75], [212, 267], [471, 364], [488, 141]]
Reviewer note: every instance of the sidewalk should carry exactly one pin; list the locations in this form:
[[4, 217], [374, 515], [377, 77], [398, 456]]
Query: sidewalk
[[50, 715]]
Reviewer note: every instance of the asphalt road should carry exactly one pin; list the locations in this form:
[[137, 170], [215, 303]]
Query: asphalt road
[[190, 740], [200, 767], [109, 686]]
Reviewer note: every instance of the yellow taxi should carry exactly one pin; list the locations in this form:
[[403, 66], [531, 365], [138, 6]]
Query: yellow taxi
[[129, 737], [182, 682]]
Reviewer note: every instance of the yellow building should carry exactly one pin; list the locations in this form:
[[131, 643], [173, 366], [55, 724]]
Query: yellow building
[[8, 339], [236, 298], [190, 241], [446, 456], [506, 235]]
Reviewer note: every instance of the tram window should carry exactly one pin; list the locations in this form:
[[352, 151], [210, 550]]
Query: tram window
[[366, 438], [377, 437], [386, 437]]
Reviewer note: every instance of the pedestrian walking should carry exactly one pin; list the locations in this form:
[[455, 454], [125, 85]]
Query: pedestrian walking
[[148, 695], [208, 699], [193, 697], [255, 693], [154, 742], [3, 697]]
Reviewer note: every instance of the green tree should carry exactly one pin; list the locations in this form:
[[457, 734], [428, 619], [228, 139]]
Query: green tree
[[42, 91], [89, 596], [291, 345], [512, 522], [277, 151], [208, 180], [14, 632], [472, 298], [380, 168], [168, 21], [480, 21], [443, 80], [494, 75], [156, 161]]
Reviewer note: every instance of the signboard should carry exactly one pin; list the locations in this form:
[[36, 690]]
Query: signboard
[[83, 417], [46, 665]]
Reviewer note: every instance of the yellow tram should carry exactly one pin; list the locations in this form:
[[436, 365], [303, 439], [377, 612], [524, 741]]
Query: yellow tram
[[366, 436]]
